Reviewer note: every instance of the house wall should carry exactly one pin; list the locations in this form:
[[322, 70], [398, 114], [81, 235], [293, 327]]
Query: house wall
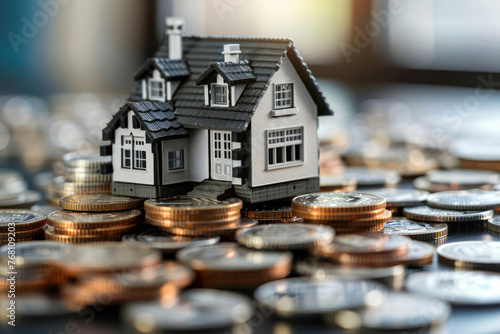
[[175, 176], [306, 117], [199, 153], [132, 175]]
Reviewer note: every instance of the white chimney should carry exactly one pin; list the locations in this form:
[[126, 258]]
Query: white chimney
[[231, 53], [174, 30]]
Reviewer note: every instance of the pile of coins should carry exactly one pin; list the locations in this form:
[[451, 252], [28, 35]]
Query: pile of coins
[[195, 217], [93, 218], [19, 225], [397, 198], [83, 174], [14, 192], [270, 213], [345, 212], [456, 179]]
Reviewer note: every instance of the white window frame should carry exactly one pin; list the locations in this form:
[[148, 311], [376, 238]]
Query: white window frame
[[178, 158], [214, 95], [140, 159], [153, 97], [279, 99], [283, 145], [138, 155], [125, 159]]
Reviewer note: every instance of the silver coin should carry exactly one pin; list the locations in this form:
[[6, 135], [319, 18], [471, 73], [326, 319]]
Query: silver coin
[[36, 253], [303, 296], [496, 187], [463, 177], [426, 213], [414, 230], [476, 149], [45, 209], [91, 161], [11, 183], [337, 200], [370, 177], [397, 197], [167, 242], [457, 287], [494, 224], [471, 255], [26, 198], [398, 312], [464, 200], [196, 309], [231, 256], [285, 236]]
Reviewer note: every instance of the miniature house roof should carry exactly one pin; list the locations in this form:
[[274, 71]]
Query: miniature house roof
[[233, 74], [156, 118], [264, 56], [172, 69]]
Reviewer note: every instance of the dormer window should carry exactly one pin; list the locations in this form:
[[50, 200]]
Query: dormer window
[[283, 95], [220, 96], [156, 89]]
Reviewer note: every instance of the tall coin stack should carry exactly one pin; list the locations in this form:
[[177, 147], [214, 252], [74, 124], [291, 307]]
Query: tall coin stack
[[84, 174], [93, 218], [345, 212], [196, 216]]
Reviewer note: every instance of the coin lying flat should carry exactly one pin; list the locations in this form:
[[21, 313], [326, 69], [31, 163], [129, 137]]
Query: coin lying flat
[[21, 220], [264, 211], [36, 253], [457, 287], [302, 296], [189, 206], [23, 199], [99, 203], [392, 277], [45, 209], [494, 224], [89, 220], [464, 200], [399, 312], [426, 213], [396, 197], [331, 203], [166, 242], [227, 230], [109, 257], [464, 177], [471, 255], [420, 254], [414, 230], [196, 310], [288, 236], [89, 236]]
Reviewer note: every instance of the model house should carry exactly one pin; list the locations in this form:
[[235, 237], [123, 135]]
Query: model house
[[219, 117]]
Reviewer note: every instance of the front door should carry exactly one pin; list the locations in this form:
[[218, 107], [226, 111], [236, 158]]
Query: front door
[[221, 164]]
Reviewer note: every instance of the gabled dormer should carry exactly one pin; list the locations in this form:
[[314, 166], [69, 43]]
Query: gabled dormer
[[225, 81], [160, 77]]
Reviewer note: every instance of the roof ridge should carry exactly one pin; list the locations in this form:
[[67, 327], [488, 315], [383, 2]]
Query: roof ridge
[[259, 39]]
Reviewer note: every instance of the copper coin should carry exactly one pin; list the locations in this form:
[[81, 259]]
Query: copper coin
[[89, 220], [20, 220], [99, 203]]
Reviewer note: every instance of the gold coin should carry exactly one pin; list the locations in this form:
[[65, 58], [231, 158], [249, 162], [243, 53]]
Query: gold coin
[[189, 206], [25, 235], [90, 220], [267, 212], [337, 203], [20, 220], [59, 188], [209, 232], [99, 203], [187, 224], [87, 178], [320, 216], [120, 230], [51, 235], [190, 217]]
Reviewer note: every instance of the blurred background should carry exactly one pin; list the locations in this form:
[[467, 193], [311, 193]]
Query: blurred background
[[409, 81]]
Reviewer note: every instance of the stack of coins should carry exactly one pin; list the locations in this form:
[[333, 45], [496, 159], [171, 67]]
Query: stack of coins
[[416, 230], [33, 265], [477, 154], [195, 216], [21, 225], [14, 193], [345, 212], [93, 218], [84, 174], [375, 250], [456, 179], [229, 266], [397, 199], [270, 213]]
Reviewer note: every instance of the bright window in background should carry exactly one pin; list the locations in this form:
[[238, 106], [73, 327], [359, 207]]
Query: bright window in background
[[441, 35], [316, 26]]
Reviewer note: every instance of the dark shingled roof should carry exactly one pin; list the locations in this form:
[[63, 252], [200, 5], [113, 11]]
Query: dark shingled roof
[[232, 73], [169, 68], [264, 56], [157, 119]]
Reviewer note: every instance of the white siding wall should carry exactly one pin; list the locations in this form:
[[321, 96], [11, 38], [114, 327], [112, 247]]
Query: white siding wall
[[262, 121], [132, 175], [199, 154], [175, 176]]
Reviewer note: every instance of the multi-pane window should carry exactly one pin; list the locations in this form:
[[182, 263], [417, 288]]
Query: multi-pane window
[[156, 89], [176, 160], [284, 147], [219, 95], [283, 95], [133, 152]]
